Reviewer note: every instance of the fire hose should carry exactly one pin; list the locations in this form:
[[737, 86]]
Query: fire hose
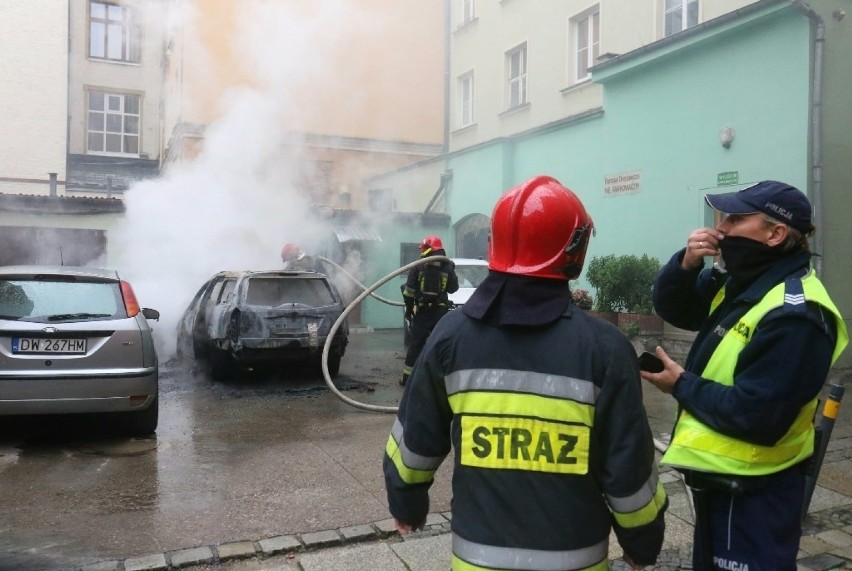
[[368, 291]]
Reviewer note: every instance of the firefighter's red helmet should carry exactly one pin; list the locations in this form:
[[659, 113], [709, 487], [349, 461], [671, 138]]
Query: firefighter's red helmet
[[431, 243], [290, 252], [539, 229]]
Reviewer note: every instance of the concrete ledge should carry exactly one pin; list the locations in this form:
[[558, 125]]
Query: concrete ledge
[[358, 533], [191, 556], [319, 539], [236, 550], [279, 544], [155, 562]]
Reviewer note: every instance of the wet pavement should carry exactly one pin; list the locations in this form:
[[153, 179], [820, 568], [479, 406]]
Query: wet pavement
[[297, 486]]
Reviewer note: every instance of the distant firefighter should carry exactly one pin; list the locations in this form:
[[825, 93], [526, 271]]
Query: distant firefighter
[[296, 260]]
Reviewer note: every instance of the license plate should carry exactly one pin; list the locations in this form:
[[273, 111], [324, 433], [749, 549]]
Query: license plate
[[36, 345]]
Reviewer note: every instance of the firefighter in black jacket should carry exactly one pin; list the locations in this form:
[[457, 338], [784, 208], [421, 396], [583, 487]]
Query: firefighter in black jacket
[[540, 404], [425, 295]]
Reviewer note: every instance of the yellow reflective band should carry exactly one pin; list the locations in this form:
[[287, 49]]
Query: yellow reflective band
[[524, 444], [408, 475], [702, 439], [645, 514], [461, 565], [520, 404], [718, 299], [831, 408], [742, 330]]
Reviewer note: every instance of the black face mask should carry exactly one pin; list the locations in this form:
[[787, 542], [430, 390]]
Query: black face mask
[[745, 259]]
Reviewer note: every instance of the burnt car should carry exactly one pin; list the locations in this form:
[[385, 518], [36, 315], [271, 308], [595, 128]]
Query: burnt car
[[74, 340], [262, 319]]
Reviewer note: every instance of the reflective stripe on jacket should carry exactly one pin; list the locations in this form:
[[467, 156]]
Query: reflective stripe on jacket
[[550, 443], [695, 445]]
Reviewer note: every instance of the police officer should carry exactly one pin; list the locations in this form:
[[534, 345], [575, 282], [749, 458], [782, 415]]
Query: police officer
[[425, 295], [540, 405], [767, 335]]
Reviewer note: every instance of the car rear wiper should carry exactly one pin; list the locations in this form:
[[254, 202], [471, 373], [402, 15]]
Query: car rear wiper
[[11, 317], [65, 316]]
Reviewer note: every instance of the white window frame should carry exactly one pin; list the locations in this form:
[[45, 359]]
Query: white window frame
[[683, 6], [586, 54], [114, 34], [516, 76], [113, 120], [465, 94], [468, 10]]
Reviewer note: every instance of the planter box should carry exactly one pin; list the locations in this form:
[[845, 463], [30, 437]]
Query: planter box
[[648, 324], [610, 316]]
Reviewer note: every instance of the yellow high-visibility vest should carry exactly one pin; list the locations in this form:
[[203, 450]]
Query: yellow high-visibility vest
[[697, 446]]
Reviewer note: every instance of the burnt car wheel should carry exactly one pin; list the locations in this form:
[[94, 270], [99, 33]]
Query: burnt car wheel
[[220, 365], [334, 358]]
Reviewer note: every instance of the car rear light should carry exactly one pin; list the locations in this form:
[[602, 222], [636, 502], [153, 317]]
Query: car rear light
[[130, 303]]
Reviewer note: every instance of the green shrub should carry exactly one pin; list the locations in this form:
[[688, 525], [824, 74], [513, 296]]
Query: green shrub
[[623, 283]]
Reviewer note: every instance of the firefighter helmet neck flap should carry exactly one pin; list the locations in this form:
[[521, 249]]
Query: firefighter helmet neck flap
[[539, 229], [429, 245]]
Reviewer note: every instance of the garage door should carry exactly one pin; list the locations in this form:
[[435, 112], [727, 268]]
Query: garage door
[[51, 246]]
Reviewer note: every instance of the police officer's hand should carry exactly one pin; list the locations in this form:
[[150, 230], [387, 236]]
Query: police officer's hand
[[406, 528], [666, 379], [631, 563], [702, 242]]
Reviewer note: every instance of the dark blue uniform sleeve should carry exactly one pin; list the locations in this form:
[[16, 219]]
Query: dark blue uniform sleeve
[[452, 278], [682, 297], [422, 433], [627, 457], [781, 369]]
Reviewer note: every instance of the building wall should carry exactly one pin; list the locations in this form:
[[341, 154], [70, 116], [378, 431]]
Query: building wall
[[143, 78], [33, 94], [662, 115], [547, 27], [410, 188]]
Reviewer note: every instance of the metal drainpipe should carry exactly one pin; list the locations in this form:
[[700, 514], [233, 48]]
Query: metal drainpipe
[[52, 183], [816, 131]]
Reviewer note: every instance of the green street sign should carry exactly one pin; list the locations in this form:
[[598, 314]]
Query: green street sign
[[728, 178]]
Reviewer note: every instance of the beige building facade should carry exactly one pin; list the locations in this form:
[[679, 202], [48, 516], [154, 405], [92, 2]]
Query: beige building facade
[[81, 93], [498, 90], [33, 95]]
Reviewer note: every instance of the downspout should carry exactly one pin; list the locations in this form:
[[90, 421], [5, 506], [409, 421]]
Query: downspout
[[68, 99], [816, 131]]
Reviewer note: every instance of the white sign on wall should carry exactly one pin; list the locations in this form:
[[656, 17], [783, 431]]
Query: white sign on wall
[[623, 183]]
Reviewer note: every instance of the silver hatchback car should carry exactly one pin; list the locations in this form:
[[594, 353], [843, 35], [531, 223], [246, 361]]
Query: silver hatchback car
[[74, 340]]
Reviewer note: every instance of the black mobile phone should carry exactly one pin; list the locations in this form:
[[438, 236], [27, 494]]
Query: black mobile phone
[[650, 362]]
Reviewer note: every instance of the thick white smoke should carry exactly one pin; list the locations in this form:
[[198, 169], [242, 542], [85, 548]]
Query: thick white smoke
[[237, 203]]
